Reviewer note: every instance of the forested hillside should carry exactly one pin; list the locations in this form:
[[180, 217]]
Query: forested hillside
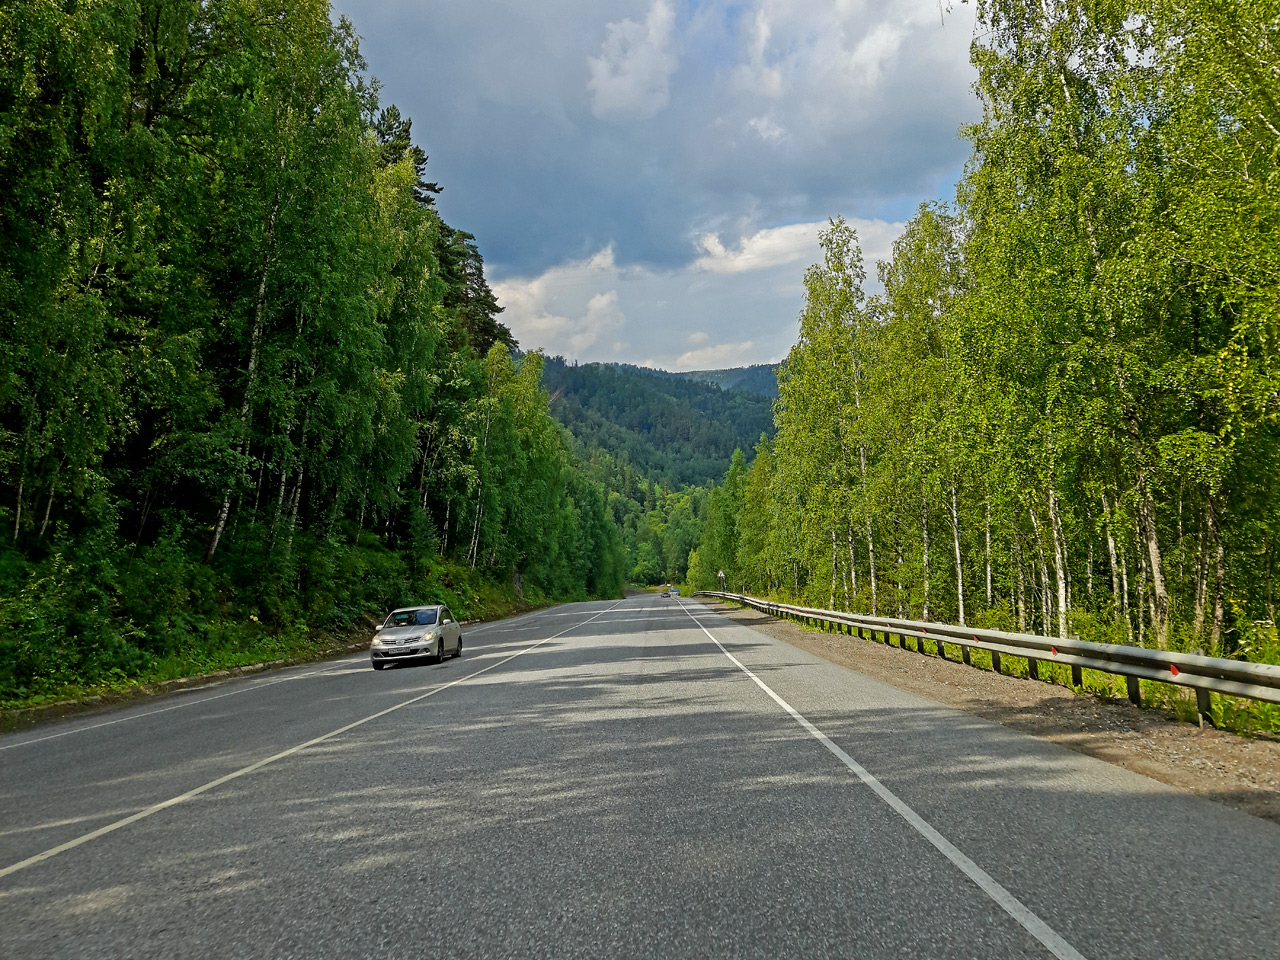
[[760, 378], [250, 382], [658, 425], [656, 441], [1063, 415]]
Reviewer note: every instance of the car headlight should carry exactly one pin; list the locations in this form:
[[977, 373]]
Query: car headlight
[[377, 642]]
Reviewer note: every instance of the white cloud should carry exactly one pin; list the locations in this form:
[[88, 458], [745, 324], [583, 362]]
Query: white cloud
[[757, 76], [765, 248], [603, 316], [732, 306], [875, 51], [549, 310], [717, 356], [632, 76], [768, 130]]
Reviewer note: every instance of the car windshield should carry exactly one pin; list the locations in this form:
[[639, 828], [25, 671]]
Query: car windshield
[[409, 618]]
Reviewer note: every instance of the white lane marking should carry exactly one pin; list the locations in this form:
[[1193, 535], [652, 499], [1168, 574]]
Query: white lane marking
[[235, 774], [643, 619], [252, 685], [1006, 900]]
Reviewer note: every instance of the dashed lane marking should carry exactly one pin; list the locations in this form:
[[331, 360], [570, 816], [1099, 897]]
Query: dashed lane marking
[[235, 774]]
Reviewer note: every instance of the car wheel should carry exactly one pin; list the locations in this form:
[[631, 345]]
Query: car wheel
[[458, 652], [377, 664], [439, 657]]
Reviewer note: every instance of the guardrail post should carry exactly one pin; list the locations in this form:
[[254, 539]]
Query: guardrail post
[[1077, 676], [964, 653], [1134, 688], [1204, 707], [1033, 668], [995, 662]]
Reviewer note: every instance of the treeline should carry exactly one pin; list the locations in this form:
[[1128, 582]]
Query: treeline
[[759, 378], [250, 382], [666, 427], [656, 441], [1063, 414]]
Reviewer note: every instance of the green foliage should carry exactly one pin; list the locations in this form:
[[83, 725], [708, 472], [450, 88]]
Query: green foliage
[[656, 442], [251, 384], [1061, 416]]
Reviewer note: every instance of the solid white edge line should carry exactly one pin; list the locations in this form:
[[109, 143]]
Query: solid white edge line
[[249, 686], [1011, 905], [174, 801]]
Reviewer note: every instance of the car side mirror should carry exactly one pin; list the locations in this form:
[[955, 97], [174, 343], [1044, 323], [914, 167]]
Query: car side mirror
[[446, 620], [377, 628]]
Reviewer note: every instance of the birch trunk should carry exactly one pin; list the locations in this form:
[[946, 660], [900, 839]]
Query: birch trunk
[[1116, 597], [988, 554], [255, 345], [871, 565], [898, 584], [955, 539], [1215, 634], [1159, 591], [48, 507], [1046, 612], [293, 511], [1060, 562], [17, 517], [853, 570], [924, 526], [1124, 596], [1202, 570], [831, 604], [474, 550], [1022, 593]]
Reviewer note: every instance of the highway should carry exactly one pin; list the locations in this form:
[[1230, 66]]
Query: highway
[[640, 778]]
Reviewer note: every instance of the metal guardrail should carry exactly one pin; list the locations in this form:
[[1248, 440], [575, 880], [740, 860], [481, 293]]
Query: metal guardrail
[[1233, 678]]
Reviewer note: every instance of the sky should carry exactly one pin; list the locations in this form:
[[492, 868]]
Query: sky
[[646, 179]]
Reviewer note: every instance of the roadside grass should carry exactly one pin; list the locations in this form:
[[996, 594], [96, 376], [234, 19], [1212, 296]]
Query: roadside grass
[[49, 661]]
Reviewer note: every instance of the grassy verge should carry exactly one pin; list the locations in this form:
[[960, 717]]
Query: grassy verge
[[229, 648]]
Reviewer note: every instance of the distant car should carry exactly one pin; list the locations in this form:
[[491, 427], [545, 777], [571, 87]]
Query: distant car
[[410, 633]]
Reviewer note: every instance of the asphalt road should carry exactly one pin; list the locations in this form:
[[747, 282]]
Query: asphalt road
[[614, 780]]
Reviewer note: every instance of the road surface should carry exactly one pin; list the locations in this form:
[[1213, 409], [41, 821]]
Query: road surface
[[633, 779]]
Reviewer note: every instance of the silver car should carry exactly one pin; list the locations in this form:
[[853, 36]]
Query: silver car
[[412, 632]]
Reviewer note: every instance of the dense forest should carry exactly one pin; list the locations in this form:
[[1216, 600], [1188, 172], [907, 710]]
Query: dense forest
[[665, 427], [760, 378], [656, 441], [1063, 413], [251, 384]]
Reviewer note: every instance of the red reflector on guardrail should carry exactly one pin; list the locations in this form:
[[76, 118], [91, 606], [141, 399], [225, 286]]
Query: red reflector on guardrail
[[1054, 651], [1173, 668]]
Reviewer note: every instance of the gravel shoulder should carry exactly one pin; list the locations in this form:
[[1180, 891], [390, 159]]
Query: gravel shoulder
[[1240, 772]]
